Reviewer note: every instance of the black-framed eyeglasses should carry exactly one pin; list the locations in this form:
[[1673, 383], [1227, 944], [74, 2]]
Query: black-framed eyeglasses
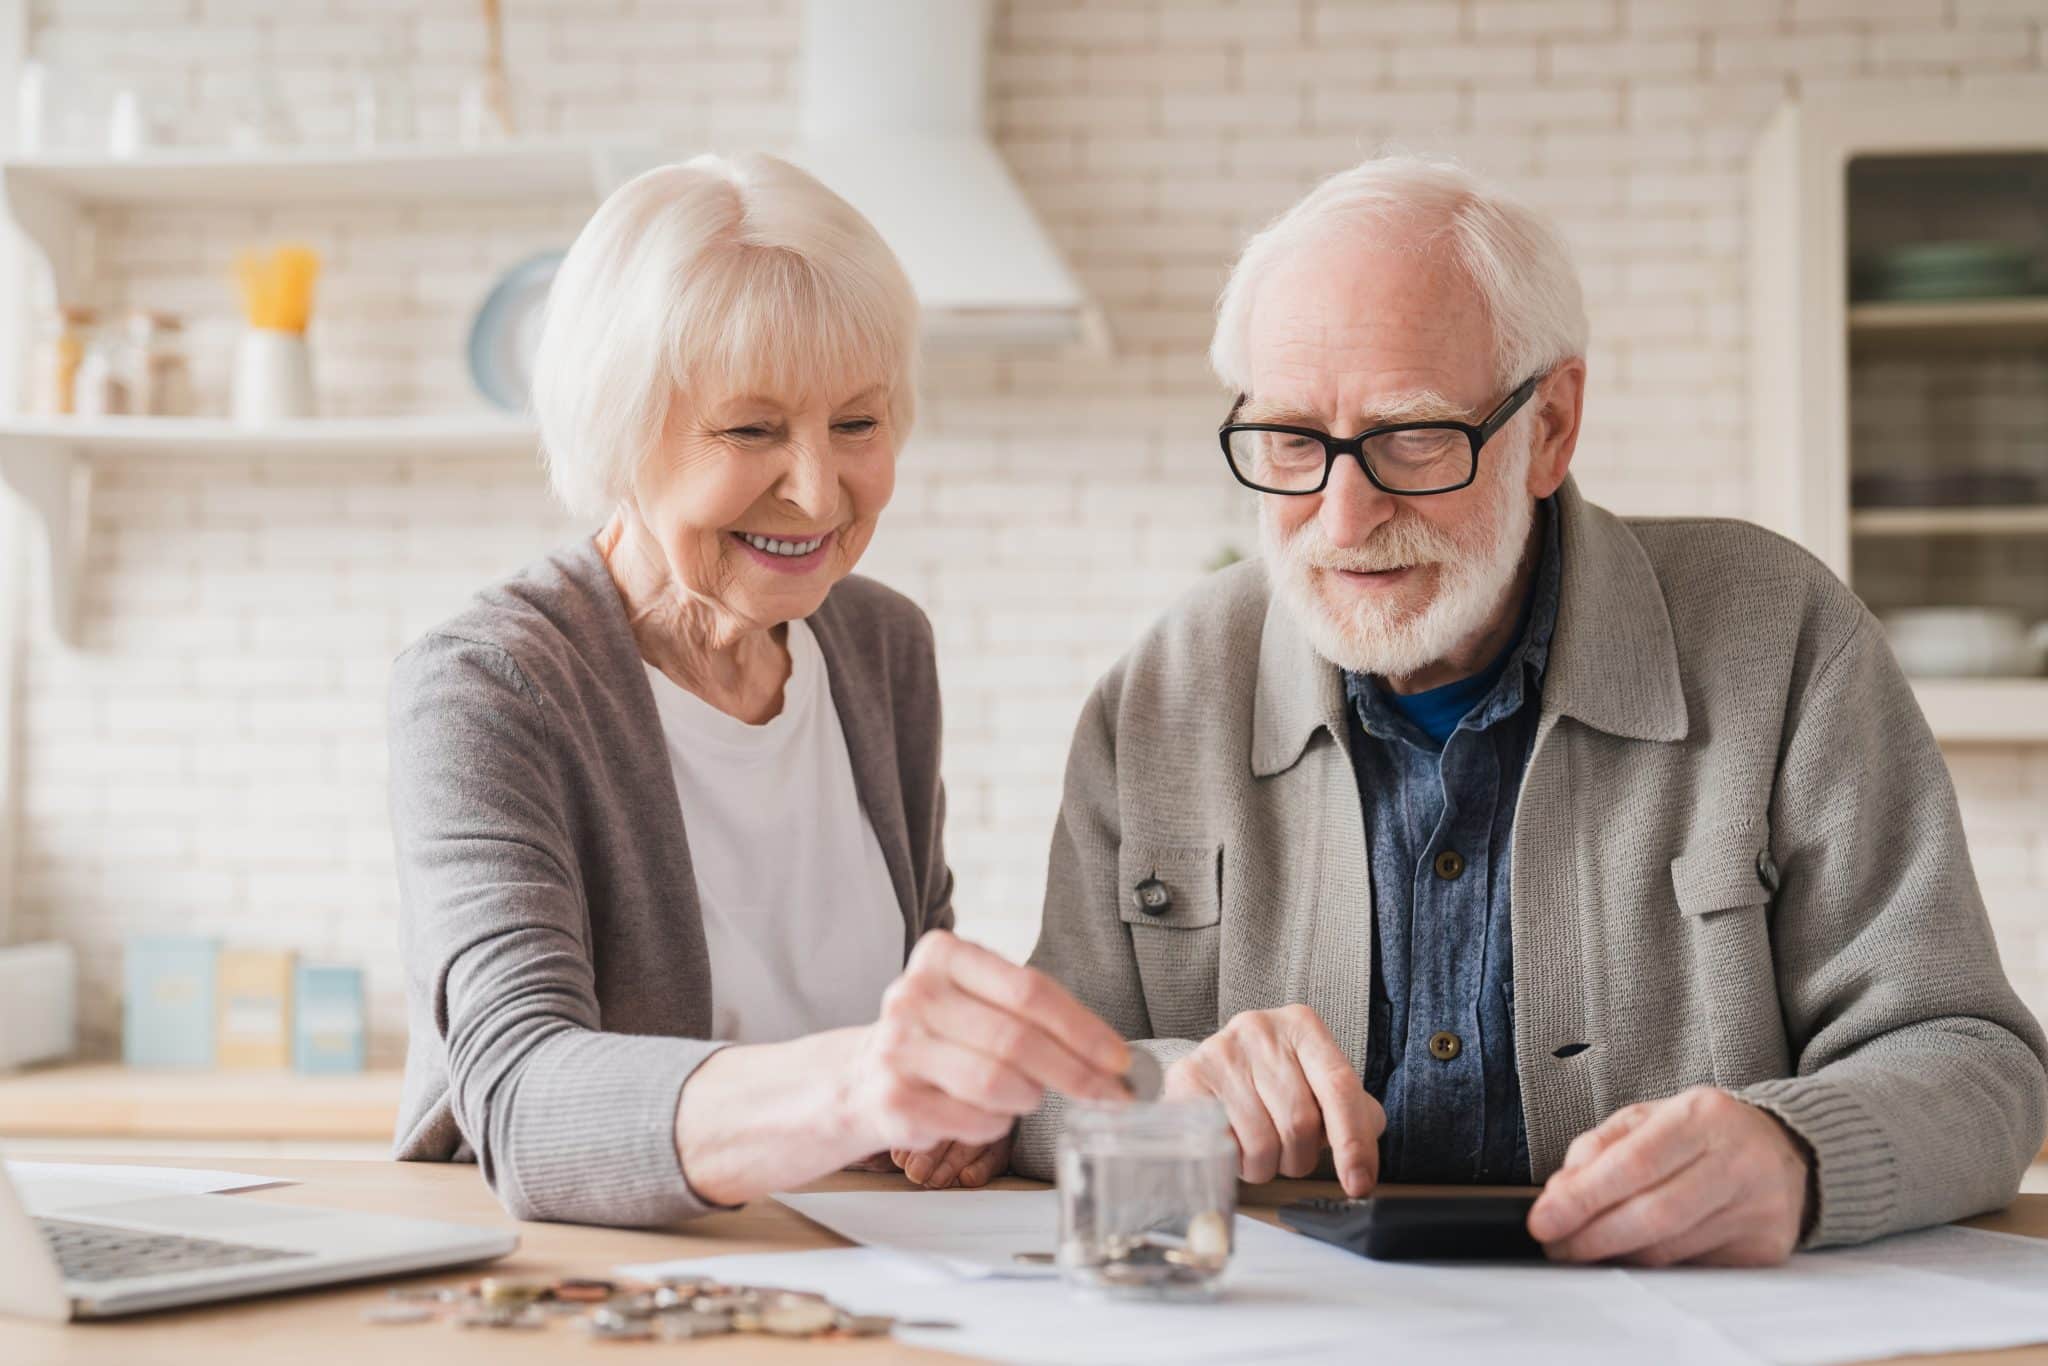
[[1412, 459]]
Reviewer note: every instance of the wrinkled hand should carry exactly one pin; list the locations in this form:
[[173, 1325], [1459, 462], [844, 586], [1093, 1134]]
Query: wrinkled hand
[[971, 1164], [968, 1041], [1701, 1177], [1290, 1093]]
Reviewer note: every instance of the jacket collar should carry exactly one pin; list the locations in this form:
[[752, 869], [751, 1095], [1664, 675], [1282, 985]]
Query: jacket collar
[[1613, 660]]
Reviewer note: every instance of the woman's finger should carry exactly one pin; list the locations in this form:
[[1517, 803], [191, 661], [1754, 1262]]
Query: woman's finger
[[993, 1161], [940, 1163], [965, 1073], [1029, 995], [955, 1014]]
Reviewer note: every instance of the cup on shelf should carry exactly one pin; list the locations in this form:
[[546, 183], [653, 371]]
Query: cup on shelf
[[273, 377], [1966, 642]]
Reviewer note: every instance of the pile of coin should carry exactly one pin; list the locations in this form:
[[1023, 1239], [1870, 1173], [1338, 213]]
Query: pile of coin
[[624, 1311], [1156, 1260]]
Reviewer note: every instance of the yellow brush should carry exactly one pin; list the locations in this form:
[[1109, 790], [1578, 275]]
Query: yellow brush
[[277, 289]]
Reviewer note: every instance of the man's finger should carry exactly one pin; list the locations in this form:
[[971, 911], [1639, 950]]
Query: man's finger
[[1258, 1142], [983, 1169], [1352, 1120], [1659, 1146], [1292, 1106], [1037, 998], [1720, 1230], [982, 1081], [1603, 1136], [1667, 1211]]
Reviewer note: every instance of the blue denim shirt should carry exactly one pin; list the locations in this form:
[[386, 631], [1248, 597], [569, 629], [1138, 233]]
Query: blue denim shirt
[[1437, 823]]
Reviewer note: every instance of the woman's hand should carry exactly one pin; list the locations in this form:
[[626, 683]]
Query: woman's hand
[[970, 1164], [967, 1042]]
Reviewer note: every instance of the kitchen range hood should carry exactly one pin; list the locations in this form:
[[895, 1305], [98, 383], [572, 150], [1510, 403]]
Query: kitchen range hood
[[892, 117]]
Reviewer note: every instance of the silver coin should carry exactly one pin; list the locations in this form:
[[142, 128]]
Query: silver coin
[[679, 1324], [866, 1325], [794, 1318], [398, 1313], [617, 1330], [1143, 1079]]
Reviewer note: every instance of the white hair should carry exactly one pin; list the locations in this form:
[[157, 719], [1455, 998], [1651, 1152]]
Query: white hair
[[1513, 255], [713, 276]]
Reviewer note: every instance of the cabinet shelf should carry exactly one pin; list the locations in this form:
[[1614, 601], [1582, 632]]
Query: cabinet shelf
[[48, 463], [48, 195], [1957, 521], [1985, 710], [1955, 323]]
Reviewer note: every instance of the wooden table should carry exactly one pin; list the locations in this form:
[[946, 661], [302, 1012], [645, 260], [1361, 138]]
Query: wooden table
[[307, 1327]]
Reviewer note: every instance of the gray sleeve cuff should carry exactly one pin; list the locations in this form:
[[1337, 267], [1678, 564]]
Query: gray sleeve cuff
[[590, 1131], [1858, 1180], [1036, 1148]]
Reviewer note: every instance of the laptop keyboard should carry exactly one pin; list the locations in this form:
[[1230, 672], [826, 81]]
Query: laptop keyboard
[[96, 1252]]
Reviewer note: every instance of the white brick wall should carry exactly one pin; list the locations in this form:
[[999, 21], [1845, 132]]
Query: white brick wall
[[212, 758]]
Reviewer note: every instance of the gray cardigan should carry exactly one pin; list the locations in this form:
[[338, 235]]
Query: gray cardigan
[[1737, 860], [557, 988]]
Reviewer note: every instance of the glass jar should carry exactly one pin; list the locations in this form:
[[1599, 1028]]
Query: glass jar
[[1148, 1196], [160, 378]]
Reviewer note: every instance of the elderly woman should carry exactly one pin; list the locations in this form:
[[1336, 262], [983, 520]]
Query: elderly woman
[[667, 804]]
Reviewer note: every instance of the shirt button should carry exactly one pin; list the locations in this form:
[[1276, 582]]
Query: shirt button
[[1450, 865], [1767, 871], [1444, 1045], [1152, 897]]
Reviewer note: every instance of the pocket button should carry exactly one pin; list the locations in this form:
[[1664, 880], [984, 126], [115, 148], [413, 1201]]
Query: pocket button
[[1767, 871], [1152, 897]]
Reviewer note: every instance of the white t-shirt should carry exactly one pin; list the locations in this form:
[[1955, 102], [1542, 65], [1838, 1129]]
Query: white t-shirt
[[800, 916]]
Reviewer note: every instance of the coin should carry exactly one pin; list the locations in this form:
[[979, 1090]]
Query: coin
[[1034, 1258], [678, 1324], [617, 1329], [866, 1325], [790, 1317], [503, 1316], [1142, 1078], [398, 1313], [495, 1291], [1209, 1238], [581, 1291]]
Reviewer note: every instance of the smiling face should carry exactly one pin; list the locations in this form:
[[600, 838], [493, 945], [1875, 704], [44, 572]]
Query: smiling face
[[761, 503], [1341, 339]]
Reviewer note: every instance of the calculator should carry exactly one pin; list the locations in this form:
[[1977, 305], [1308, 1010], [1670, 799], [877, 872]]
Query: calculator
[[1450, 1223]]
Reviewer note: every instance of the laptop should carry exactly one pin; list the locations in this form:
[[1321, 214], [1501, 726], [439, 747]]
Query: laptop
[[88, 1249]]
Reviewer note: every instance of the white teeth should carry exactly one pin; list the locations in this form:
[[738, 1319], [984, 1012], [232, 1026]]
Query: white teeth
[[775, 547]]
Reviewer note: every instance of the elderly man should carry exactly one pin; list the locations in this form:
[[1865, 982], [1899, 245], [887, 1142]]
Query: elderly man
[[1480, 835]]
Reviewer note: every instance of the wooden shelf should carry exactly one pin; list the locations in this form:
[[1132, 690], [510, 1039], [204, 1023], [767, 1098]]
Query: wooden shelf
[[48, 463], [1958, 521], [1913, 325], [111, 1101], [1985, 710]]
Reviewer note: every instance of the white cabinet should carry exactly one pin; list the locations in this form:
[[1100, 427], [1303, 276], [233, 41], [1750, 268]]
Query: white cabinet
[[1899, 366]]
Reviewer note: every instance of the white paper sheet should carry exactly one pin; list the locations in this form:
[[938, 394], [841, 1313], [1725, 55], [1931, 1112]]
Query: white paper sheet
[[1286, 1298], [47, 1186], [1939, 1290], [968, 1233]]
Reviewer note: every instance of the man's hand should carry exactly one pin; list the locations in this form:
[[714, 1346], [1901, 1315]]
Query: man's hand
[[1701, 1177], [970, 1164], [1290, 1093]]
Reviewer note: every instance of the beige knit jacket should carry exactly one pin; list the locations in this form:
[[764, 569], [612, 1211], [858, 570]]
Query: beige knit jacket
[[1737, 860]]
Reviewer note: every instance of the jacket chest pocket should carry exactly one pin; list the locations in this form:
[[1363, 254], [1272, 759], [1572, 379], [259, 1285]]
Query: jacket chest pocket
[[1724, 882], [1172, 904]]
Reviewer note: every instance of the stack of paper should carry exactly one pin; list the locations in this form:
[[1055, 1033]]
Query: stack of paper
[[949, 1256]]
